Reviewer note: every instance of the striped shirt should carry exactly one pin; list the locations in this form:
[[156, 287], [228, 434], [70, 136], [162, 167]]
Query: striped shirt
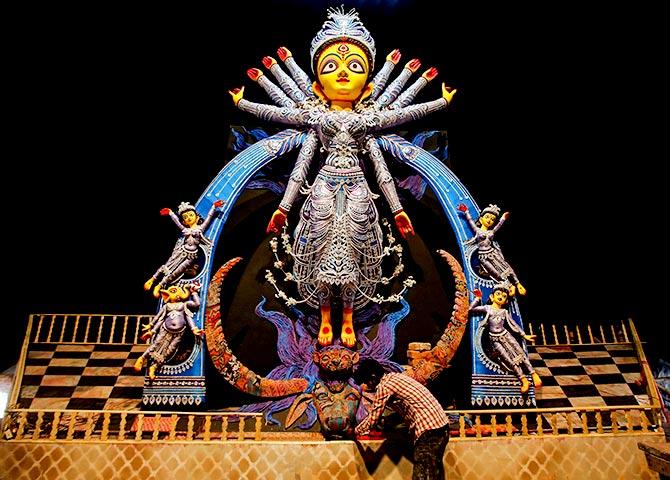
[[410, 399]]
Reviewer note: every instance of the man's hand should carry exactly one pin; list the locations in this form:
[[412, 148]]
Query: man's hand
[[165, 211]]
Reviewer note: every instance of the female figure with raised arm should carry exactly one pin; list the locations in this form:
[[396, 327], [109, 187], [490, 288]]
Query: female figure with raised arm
[[490, 257], [193, 230]]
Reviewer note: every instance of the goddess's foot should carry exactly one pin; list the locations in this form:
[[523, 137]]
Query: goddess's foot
[[537, 382], [152, 372], [325, 335], [348, 336], [525, 385]]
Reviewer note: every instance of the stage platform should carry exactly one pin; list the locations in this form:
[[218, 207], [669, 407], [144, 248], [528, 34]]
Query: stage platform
[[75, 413]]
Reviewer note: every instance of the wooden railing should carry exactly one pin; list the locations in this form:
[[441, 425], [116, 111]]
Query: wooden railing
[[123, 425], [86, 328], [579, 334], [556, 421]]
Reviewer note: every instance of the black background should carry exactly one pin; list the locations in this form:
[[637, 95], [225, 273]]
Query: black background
[[120, 112]]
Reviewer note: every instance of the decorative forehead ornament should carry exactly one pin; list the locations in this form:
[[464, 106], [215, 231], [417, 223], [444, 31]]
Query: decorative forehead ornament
[[184, 207], [503, 287], [492, 209], [343, 27]]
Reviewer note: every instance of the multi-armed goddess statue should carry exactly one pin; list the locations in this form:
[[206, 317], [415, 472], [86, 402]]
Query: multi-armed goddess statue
[[338, 244]]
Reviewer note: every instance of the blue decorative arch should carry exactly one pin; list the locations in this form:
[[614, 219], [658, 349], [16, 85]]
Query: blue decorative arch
[[489, 387]]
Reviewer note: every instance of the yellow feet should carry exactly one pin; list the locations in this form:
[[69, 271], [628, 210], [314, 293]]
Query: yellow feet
[[152, 372], [139, 363], [148, 284], [537, 382], [525, 385], [348, 336], [521, 289], [326, 329], [325, 334], [157, 291]]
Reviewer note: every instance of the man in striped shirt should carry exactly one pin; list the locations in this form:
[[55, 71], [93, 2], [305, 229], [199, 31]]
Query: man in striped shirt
[[422, 412]]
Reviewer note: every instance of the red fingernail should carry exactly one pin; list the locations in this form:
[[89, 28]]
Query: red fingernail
[[283, 53], [413, 65], [430, 74], [268, 62], [254, 73]]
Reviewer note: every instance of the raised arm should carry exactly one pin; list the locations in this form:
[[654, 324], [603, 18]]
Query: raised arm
[[394, 117], [290, 116], [210, 215], [174, 217], [475, 306], [381, 398], [466, 213], [500, 222]]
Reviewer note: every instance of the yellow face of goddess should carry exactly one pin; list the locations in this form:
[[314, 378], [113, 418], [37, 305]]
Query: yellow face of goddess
[[342, 71], [190, 218], [488, 220], [499, 297]]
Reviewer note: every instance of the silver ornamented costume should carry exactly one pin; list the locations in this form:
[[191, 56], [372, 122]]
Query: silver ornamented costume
[[491, 259], [338, 241], [186, 250], [499, 325]]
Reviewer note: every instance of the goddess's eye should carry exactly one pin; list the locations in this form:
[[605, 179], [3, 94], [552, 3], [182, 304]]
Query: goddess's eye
[[356, 66], [329, 67]]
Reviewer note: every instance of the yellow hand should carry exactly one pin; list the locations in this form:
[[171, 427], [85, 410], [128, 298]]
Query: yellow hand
[[237, 94], [448, 93], [530, 338]]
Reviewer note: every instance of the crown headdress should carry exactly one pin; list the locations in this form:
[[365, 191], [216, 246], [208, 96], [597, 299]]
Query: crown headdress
[[504, 286], [493, 209], [342, 26], [184, 207]]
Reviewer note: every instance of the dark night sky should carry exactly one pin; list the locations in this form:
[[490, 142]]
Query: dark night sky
[[120, 113]]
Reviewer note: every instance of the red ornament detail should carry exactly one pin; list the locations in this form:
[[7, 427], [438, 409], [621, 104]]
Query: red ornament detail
[[343, 48], [348, 330], [283, 53], [413, 65], [430, 73], [254, 74], [325, 330]]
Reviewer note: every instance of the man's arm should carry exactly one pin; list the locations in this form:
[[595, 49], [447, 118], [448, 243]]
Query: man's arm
[[381, 398]]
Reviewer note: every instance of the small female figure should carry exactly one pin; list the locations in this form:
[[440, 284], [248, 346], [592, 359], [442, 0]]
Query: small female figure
[[169, 325], [499, 323], [186, 250], [490, 257]]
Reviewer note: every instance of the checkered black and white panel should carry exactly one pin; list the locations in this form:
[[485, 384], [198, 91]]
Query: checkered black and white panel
[[588, 375], [82, 377]]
